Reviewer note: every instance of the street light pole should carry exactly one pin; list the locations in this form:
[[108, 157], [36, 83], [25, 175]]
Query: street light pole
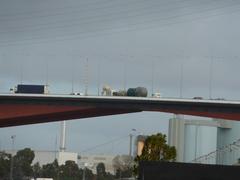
[[181, 79], [86, 77], [11, 166], [210, 77], [130, 145]]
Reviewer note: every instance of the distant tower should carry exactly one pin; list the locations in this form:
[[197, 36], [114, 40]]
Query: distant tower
[[63, 136]]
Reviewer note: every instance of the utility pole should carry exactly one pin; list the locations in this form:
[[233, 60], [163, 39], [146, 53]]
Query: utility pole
[[11, 165]]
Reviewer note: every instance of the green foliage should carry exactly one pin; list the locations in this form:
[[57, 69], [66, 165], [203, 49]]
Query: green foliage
[[126, 173], [50, 170], [70, 171], [123, 166], [4, 165], [89, 174], [23, 170], [102, 174], [155, 149], [100, 170], [22, 163], [36, 170], [109, 177]]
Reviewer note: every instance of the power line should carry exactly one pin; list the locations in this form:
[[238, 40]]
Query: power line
[[99, 17], [110, 6], [128, 30], [104, 144], [37, 11], [63, 26]]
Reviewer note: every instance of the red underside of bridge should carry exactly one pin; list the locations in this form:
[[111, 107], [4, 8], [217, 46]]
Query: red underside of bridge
[[19, 114], [13, 115]]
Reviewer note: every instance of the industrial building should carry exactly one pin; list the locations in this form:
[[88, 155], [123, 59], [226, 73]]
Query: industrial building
[[205, 140]]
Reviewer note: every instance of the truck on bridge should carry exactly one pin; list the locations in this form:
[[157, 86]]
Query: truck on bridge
[[30, 89], [134, 92]]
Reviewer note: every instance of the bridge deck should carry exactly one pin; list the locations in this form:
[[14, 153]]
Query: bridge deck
[[19, 109]]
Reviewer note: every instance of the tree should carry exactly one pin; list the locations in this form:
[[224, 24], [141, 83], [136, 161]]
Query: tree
[[51, 170], [88, 174], [4, 165], [123, 166], [22, 163], [36, 170], [155, 149], [101, 172], [67, 171], [127, 173], [70, 171]]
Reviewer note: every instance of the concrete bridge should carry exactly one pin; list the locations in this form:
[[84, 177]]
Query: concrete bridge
[[21, 109]]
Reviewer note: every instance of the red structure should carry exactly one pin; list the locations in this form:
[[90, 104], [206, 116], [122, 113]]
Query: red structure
[[30, 109]]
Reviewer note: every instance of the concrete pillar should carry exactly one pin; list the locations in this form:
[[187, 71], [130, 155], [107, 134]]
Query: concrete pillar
[[176, 134]]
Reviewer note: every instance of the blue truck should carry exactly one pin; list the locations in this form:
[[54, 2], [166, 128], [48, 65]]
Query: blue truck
[[31, 89]]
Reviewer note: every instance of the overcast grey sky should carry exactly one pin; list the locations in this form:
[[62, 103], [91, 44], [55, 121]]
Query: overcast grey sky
[[112, 34]]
